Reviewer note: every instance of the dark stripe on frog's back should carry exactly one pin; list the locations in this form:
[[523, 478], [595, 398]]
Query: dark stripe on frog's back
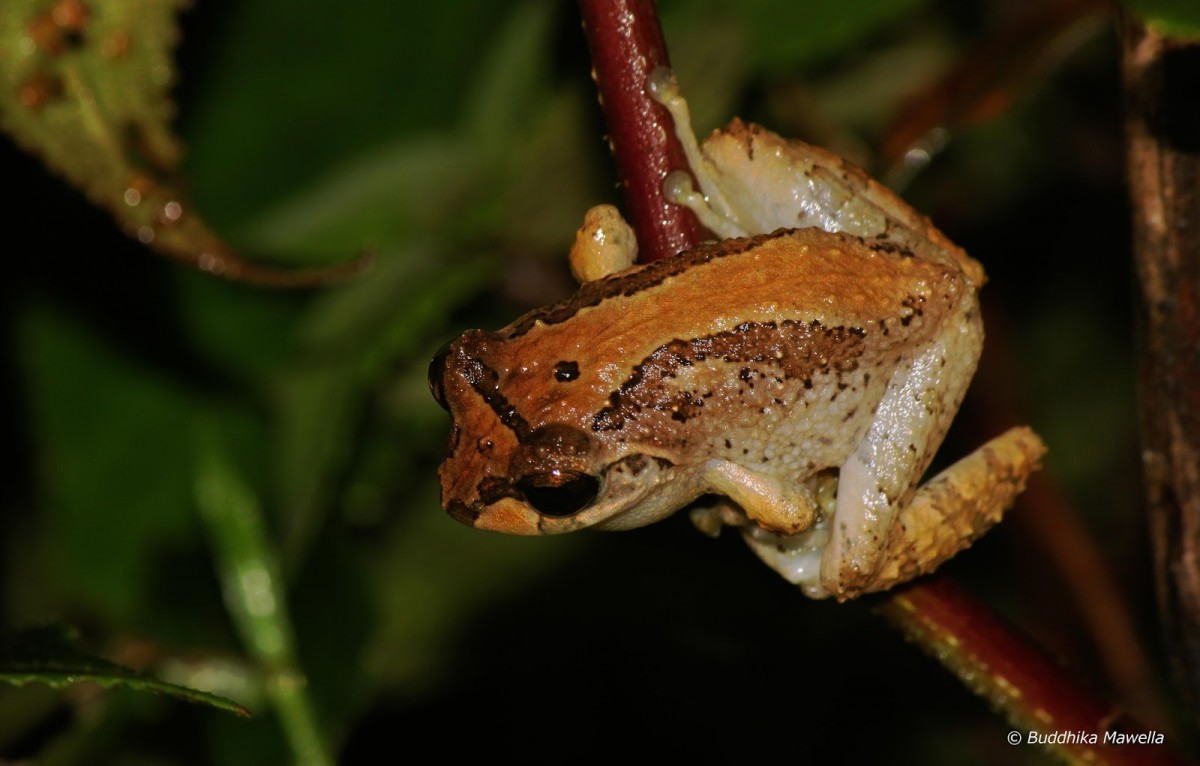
[[628, 284], [796, 352]]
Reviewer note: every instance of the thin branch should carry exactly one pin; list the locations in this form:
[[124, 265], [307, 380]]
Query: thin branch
[[1161, 78], [627, 44], [1000, 664]]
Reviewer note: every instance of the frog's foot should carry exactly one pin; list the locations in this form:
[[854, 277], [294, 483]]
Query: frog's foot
[[954, 508], [766, 500], [946, 514], [604, 245], [796, 557], [711, 517], [709, 204]]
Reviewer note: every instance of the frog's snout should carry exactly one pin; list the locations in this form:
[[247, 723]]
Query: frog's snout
[[551, 469]]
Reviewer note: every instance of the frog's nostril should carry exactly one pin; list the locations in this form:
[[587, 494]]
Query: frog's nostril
[[559, 492]]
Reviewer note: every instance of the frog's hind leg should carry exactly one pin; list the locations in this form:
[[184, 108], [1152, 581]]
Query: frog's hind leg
[[958, 505]]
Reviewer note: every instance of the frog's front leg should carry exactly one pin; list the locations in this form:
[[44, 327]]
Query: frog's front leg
[[766, 500], [604, 245]]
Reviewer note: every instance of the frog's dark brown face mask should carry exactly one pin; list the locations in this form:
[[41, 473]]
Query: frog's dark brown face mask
[[501, 474]]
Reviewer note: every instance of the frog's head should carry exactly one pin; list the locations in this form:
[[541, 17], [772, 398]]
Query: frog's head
[[522, 457]]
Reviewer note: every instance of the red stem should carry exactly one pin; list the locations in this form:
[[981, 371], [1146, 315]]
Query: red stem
[[1002, 665], [627, 44]]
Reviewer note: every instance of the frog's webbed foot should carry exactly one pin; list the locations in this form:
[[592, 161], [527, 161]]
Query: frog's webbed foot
[[711, 514], [944, 516], [604, 245], [766, 500], [951, 510], [709, 203]]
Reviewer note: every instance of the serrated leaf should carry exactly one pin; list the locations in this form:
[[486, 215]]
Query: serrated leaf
[[51, 656], [86, 88]]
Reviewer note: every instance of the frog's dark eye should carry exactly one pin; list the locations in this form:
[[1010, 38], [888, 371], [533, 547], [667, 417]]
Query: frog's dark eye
[[565, 372], [437, 371], [559, 492]]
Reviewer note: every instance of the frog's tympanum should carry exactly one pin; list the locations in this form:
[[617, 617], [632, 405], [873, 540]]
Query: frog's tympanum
[[796, 377]]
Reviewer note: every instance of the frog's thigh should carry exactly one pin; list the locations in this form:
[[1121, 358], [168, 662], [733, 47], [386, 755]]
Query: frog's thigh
[[958, 505], [909, 425], [766, 499]]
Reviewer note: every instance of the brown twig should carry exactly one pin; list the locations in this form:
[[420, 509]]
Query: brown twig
[[1000, 664], [984, 651], [1161, 77], [626, 43]]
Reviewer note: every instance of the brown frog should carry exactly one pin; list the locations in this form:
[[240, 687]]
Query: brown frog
[[803, 371]]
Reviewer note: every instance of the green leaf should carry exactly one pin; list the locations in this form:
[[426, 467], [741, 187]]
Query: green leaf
[[113, 474], [86, 88], [378, 198], [252, 581], [814, 29], [352, 338], [51, 656], [284, 97], [1180, 18]]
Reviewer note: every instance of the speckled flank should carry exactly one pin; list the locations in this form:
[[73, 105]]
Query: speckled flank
[[788, 351]]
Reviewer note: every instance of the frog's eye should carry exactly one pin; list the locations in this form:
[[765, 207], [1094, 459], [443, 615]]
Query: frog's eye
[[437, 371], [565, 372], [559, 492]]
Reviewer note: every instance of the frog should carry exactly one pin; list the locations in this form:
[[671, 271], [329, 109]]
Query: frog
[[793, 378]]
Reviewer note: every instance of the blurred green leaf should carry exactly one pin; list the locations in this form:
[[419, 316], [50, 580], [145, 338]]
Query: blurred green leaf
[[284, 97], [814, 29], [86, 88], [51, 656], [115, 474], [252, 581], [350, 339], [387, 194], [1180, 18]]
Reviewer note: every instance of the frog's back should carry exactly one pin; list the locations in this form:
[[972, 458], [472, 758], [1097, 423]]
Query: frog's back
[[694, 354]]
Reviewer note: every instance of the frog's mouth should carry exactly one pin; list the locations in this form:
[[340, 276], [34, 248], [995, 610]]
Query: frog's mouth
[[622, 496]]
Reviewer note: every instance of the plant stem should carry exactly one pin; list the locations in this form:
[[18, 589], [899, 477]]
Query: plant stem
[[627, 44], [1015, 676], [1161, 77], [252, 582]]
